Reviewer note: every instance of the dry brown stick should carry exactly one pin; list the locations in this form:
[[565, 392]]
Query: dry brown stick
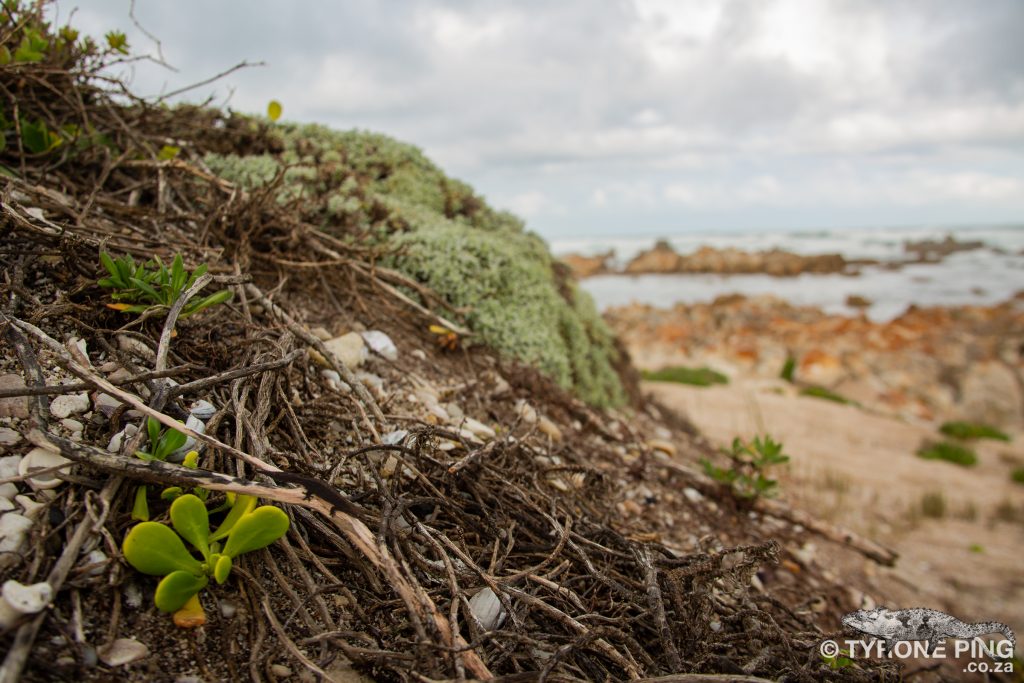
[[16, 657], [50, 389], [704, 678], [870, 549], [558, 615], [657, 606], [232, 375], [339, 367], [354, 530], [172, 318]]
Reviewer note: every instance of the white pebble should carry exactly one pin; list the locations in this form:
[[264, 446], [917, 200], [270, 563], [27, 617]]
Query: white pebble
[[203, 410], [69, 404], [72, 425], [487, 609], [6, 505], [27, 599], [98, 559], [39, 459], [8, 491], [13, 528], [117, 440], [381, 344], [227, 608], [8, 436], [123, 651], [9, 466], [693, 495]]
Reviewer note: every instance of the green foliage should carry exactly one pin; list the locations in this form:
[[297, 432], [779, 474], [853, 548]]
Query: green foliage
[[156, 549], [162, 442], [38, 138], [117, 41], [933, 505], [841, 660], [153, 284], [1017, 475], [248, 172], [950, 452], [274, 110], [827, 394], [701, 377], [976, 548], [168, 152], [972, 430], [788, 368], [746, 472]]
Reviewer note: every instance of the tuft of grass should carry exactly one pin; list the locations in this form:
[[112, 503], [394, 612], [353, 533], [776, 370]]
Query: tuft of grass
[[827, 394], [933, 505], [976, 548], [1018, 475], [788, 368], [950, 452], [972, 430], [701, 377]]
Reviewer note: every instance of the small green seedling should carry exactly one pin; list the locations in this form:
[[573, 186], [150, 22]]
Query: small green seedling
[[140, 288], [972, 430], [746, 474], [950, 452], [155, 549], [840, 660], [162, 442]]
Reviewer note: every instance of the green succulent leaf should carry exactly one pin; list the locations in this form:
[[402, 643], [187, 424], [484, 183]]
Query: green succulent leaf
[[274, 110], [256, 530], [192, 522], [222, 568], [242, 506], [140, 509], [155, 549], [175, 589]]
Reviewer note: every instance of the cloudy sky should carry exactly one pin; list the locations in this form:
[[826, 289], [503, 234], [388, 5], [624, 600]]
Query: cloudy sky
[[641, 117]]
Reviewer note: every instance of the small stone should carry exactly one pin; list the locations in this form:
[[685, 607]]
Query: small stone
[[419, 353], [487, 608], [123, 651], [97, 560], [479, 429], [549, 428], [6, 505], [15, 406], [395, 437], [349, 349], [30, 506], [335, 382], [203, 410], [8, 436], [69, 404], [72, 425], [136, 348], [693, 495], [13, 528], [280, 670], [133, 596], [526, 412], [106, 404], [227, 608], [662, 445], [321, 333], [372, 382], [8, 491], [27, 599], [41, 459], [9, 466], [117, 440], [381, 344]]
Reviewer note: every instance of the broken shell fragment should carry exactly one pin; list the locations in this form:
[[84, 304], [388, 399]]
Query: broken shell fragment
[[487, 609]]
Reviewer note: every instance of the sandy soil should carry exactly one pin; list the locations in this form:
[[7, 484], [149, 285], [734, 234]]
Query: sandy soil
[[859, 470]]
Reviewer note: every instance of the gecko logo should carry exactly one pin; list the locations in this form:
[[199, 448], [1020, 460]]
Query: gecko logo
[[919, 632]]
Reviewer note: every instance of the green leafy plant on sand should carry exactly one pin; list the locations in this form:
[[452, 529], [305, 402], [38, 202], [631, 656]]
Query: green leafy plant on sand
[[972, 430], [157, 549], [146, 286], [701, 377], [746, 472], [1018, 475], [950, 452], [162, 442], [826, 394]]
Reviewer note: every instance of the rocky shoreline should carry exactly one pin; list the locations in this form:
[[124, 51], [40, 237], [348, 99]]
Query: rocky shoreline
[[662, 258], [927, 364]]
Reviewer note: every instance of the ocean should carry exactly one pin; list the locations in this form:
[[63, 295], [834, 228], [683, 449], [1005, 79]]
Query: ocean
[[983, 276]]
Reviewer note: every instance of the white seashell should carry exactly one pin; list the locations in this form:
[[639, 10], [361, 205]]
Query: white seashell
[[27, 599], [527, 412], [9, 466], [117, 440], [395, 437], [39, 459], [67, 405], [203, 410], [478, 428], [29, 505], [13, 528], [123, 651], [196, 425], [487, 609], [8, 491], [98, 558], [6, 505], [381, 344]]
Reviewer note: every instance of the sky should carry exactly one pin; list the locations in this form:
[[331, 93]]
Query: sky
[[638, 117]]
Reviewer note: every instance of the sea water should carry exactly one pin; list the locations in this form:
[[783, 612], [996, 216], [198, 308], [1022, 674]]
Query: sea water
[[983, 276]]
